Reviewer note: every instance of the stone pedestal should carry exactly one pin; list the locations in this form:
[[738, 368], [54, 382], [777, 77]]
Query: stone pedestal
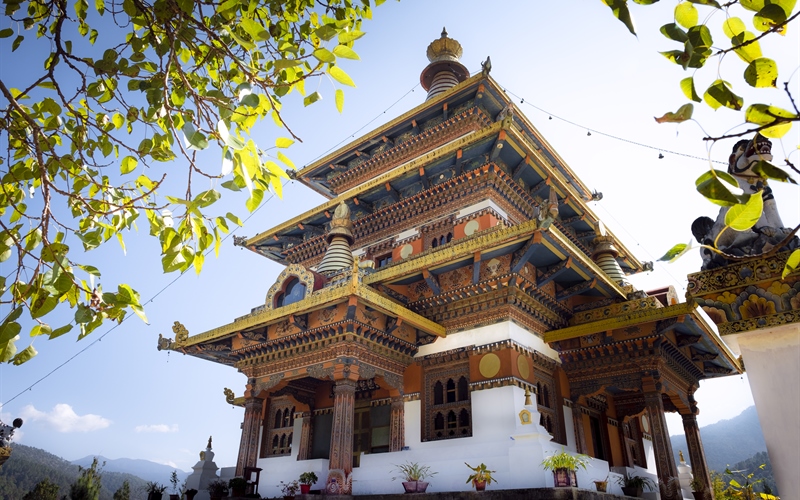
[[203, 473]]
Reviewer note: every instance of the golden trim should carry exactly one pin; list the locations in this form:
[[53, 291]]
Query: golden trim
[[647, 316], [317, 301], [586, 261], [381, 131], [382, 179]]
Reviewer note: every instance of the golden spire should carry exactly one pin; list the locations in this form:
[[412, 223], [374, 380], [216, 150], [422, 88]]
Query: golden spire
[[444, 71]]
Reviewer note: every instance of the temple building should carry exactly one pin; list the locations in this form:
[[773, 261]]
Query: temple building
[[455, 267]]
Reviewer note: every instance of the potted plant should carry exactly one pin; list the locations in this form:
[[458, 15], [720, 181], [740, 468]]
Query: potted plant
[[217, 489], [190, 493], [306, 480], [238, 486], [698, 488], [289, 489], [173, 479], [480, 477], [633, 486], [414, 476], [154, 490], [601, 485], [564, 466]]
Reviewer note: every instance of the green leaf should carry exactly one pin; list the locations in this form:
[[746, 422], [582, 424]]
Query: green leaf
[[687, 87], [340, 76], [172, 261], [255, 200], [42, 304], [283, 142], [762, 72], [770, 16], [324, 55], [41, 329], [684, 113], [719, 94], [339, 100], [742, 217], [128, 165], [733, 26], [791, 264], [712, 3], [686, 14], [311, 99], [194, 138], [675, 252], [620, 10], [345, 52], [350, 36], [746, 46], [60, 331], [769, 171], [712, 188], [282, 157], [231, 217], [24, 355], [7, 32], [16, 42], [761, 114], [674, 32]]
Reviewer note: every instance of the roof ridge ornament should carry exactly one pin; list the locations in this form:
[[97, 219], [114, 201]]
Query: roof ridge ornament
[[444, 71]]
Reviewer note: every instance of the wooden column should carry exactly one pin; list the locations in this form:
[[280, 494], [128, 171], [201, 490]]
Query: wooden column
[[248, 446], [697, 457], [577, 423], [304, 450], [397, 427], [344, 398], [665, 462]]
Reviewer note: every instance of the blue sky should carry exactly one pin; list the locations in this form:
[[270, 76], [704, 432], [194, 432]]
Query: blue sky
[[123, 398]]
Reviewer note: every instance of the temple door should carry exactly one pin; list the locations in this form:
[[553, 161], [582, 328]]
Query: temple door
[[362, 433]]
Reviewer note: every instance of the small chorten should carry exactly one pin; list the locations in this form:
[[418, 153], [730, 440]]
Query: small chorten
[[338, 256], [444, 72], [605, 255]]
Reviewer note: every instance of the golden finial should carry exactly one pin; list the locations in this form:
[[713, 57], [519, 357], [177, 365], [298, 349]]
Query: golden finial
[[229, 396], [680, 454], [444, 49], [341, 225], [209, 443], [528, 401]]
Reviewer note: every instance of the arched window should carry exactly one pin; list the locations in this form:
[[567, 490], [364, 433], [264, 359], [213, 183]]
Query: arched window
[[542, 421], [291, 417], [293, 291], [452, 422], [441, 240], [275, 445], [289, 441], [546, 397], [283, 441], [449, 237], [463, 389], [278, 418], [438, 393], [451, 391], [438, 421], [463, 418], [549, 425], [434, 243], [538, 393]]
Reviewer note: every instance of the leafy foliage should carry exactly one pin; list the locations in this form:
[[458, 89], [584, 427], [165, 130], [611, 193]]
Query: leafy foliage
[[88, 485], [128, 88], [698, 48], [44, 490], [124, 491]]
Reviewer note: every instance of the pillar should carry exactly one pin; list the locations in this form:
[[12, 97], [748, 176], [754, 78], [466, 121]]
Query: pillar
[[665, 462], [304, 446], [577, 423], [344, 398], [697, 457], [248, 446], [397, 428]]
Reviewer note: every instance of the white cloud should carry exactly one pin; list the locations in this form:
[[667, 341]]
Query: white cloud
[[64, 419], [157, 428]]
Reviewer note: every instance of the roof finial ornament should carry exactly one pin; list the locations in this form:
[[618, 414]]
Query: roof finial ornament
[[444, 71], [339, 238], [486, 66]]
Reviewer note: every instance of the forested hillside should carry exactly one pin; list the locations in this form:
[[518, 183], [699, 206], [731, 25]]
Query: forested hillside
[[27, 466]]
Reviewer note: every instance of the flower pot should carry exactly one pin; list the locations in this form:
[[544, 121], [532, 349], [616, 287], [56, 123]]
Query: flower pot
[[479, 485], [174, 496], [154, 496], [415, 486], [699, 495], [601, 486], [238, 491], [305, 489], [563, 477], [632, 491], [190, 494]]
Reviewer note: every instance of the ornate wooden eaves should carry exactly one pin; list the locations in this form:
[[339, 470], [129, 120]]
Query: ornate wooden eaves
[[324, 298], [693, 329]]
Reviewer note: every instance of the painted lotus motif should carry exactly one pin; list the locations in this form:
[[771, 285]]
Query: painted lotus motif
[[717, 315], [755, 306]]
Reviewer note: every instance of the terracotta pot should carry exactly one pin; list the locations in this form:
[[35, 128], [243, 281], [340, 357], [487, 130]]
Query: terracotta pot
[[564, 478], [415, 486], [305, 489], [174, 496], [154, 496], [601, 486], [479, 485], [190, 494], [631, 491], [239, 491], [699, 495]]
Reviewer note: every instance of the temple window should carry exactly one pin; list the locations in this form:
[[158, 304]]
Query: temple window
[[434, 243], [447, 405], [383, 260], [293, 291], [279, 432]]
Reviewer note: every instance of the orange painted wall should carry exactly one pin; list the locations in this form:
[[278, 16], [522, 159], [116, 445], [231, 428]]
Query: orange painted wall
[[412, 379], [616, 446], [415, 244]]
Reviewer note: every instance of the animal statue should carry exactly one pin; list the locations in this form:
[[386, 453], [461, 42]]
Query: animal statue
[[766, 233]]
